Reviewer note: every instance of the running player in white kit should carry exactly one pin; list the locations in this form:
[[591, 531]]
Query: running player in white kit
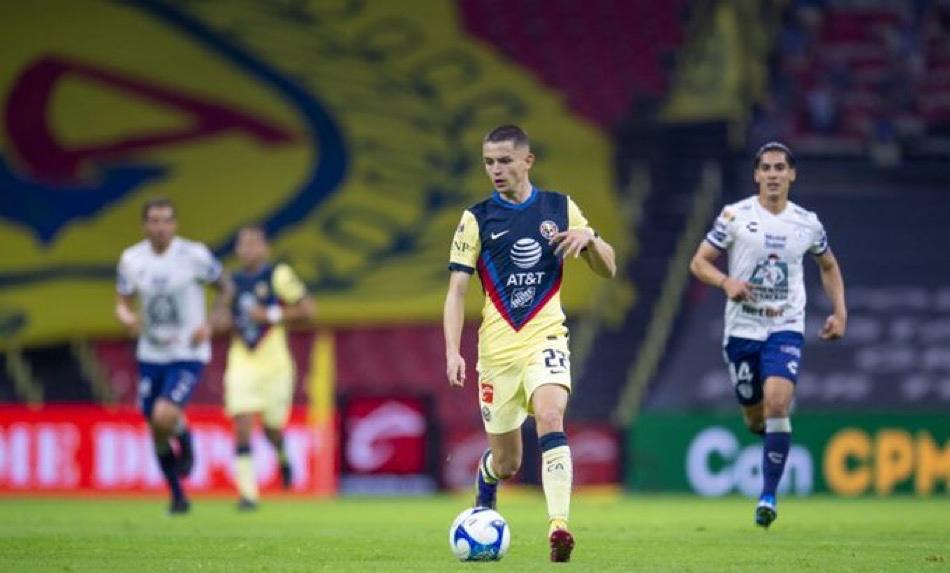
[[168, 273], [766, 237]]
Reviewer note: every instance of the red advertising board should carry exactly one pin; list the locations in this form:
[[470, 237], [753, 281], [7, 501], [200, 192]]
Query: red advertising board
[[595, 449], [388, 445], [84, 448]]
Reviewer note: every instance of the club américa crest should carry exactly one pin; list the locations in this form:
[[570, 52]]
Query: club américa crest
[[548, 229]]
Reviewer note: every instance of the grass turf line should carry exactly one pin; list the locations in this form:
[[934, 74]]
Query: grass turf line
[[642, 533]]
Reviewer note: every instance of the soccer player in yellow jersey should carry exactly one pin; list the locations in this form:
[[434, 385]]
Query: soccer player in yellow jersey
[[260, 374], [517, 241]]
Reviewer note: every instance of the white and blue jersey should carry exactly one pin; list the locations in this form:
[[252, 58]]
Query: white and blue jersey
[[763, 334], [170, 288], [766, 250]]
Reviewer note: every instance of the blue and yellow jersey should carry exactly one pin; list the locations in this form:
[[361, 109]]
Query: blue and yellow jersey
[[257, 345], [508, 244]]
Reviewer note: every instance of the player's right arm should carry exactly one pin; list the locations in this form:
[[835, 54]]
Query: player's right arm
[[463, 256], [703, 265], [125, 297], [453, 319], [125, 312]]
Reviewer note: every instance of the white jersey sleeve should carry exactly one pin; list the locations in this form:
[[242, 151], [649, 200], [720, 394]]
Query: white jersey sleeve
[[723, 232], [819, 242], [125, 283], [206, 267]]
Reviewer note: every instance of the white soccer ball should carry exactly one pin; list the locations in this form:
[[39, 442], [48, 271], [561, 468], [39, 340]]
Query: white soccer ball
[[479, 534]]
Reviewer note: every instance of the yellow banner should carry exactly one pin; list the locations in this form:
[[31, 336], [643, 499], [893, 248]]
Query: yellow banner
[[722, 69], [351, 131]]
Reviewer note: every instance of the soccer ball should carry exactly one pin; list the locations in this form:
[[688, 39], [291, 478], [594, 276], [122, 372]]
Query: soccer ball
[[479, 534]]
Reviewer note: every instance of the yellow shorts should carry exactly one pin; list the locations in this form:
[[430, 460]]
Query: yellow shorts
[[253, 391], [504, 391]]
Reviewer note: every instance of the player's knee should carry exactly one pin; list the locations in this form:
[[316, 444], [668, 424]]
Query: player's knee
[[547, 421], [163, 423], [776, 407], [164, 418]]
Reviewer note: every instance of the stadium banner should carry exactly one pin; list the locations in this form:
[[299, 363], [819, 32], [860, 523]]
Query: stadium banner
[[723, 68], [388, 445], [91, 449], [595, 451], [838, 453], [350, 131]]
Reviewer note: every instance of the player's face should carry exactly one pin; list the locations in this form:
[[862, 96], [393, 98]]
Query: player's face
[[160, 226], [774, 175], [507, 165], [252, 248]]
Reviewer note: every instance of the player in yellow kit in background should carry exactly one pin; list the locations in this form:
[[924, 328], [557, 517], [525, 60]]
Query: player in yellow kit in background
[[260, 374], [517, 241]]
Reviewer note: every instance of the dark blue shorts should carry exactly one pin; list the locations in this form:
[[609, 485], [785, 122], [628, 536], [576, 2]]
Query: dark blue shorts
[[174, 381], [750, 362]]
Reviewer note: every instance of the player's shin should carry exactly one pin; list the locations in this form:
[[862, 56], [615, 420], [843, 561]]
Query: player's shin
[[556, 475], [276, 437], [245, 475], [169, 466], [778, 437], [186, 455]]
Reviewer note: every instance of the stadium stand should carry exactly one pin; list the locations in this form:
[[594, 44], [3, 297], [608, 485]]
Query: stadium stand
[[601, 55], [864, 77]]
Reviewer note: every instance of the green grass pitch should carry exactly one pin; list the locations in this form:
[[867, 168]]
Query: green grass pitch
[[614, 533]]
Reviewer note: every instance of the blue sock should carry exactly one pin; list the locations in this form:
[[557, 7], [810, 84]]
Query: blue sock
[[486, 482], [169, 466], [778, 439]]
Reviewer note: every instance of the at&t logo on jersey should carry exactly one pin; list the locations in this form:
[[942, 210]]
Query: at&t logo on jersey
[[525, 253]]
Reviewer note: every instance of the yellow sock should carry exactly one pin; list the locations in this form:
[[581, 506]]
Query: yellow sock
[[245, 476], [557, 473]]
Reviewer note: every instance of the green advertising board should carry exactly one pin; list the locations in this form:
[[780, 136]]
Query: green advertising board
[[838, 453]]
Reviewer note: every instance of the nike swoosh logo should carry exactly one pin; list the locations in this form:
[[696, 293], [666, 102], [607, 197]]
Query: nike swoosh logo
[[497, 235]]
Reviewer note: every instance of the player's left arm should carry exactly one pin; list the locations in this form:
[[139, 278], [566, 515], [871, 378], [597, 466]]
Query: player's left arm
[[220, 318], [297, 307], [600, 257], [833, 283], [581, 240]]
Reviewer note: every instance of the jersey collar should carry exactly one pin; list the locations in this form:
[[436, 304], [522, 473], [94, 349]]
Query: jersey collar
[[496, 197]]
